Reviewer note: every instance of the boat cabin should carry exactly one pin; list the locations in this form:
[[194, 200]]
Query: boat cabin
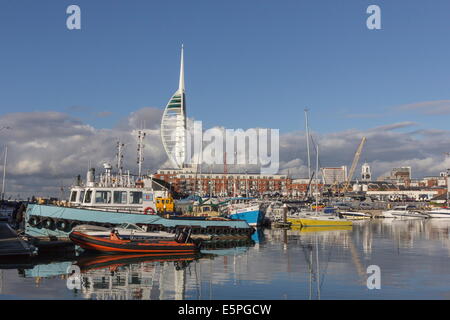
[[164, 204], [128, 199]]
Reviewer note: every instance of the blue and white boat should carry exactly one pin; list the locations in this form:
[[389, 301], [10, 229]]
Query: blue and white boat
[[246, 209]]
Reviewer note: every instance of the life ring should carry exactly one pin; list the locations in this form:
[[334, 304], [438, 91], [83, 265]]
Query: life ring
[[149, 210]]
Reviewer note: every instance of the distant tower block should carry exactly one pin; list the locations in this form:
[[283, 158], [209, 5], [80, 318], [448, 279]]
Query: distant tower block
[[173, 124], [365, 172]]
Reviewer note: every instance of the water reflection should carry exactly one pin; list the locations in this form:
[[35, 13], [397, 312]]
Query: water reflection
[[311, 263]]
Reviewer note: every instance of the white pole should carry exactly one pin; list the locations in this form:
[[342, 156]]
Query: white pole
[[4, 173], [317, 176], [307, 143]]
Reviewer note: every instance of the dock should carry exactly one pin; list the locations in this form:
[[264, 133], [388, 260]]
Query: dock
[[11, 245]]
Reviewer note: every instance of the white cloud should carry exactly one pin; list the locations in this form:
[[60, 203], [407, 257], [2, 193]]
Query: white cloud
[[437, 107], [49, 149]]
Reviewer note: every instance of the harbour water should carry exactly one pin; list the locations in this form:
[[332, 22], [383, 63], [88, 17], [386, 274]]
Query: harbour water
[[413, 257]]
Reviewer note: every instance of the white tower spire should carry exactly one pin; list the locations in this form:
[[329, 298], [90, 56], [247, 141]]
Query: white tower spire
[[181, 85], [173, 123]]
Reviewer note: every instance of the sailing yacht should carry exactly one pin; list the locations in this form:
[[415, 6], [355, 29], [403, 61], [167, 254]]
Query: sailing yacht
[[314, 218]]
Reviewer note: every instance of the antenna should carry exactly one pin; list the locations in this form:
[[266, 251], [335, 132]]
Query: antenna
[[119, 156], [140, 151]]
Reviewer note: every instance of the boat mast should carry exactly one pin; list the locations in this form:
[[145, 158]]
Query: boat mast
[[4, 173], [448, 185], [307, 144], [317, 176]]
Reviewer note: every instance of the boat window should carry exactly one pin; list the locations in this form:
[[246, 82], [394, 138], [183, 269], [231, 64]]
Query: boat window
[[205, 209], [73, 196], [81, 196], [120, 197], [87, 198], [136, 197], [103, 196], [133, 227]]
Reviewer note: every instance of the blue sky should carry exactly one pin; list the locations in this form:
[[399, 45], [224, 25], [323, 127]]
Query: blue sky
[[248, 63]]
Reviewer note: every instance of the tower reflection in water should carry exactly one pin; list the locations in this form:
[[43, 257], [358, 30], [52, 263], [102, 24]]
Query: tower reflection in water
[[133, 277]]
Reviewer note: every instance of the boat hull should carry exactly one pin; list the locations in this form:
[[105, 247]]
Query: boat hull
[[438, 215], [92, 243], [45, 220], [254, 217], [305, 222]]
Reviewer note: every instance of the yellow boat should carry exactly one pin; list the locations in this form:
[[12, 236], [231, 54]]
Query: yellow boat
[[321, 229], [320, 221]]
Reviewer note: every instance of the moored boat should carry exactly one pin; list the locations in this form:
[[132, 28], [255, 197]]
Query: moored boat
[[410, 215], [101, 244], [250, 212], [44, 220], [353, 215], [323, 221], [316, 219], [396, 211], [442, 213], [125, 230]]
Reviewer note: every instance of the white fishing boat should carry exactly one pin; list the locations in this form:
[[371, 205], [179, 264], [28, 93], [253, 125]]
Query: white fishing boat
[[247, 209], [398, 211], [442, 213], [410, 215]]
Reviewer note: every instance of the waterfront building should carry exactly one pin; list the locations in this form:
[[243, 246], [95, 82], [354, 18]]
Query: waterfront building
[[189, 181], [402, 173], [404, 195]]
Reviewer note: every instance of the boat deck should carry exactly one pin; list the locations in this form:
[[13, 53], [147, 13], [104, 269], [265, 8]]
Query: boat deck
[[10, 244]]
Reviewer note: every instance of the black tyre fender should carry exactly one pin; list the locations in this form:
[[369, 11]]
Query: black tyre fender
[[62, 225], [72, 224], [48, 223], [33, 221]]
